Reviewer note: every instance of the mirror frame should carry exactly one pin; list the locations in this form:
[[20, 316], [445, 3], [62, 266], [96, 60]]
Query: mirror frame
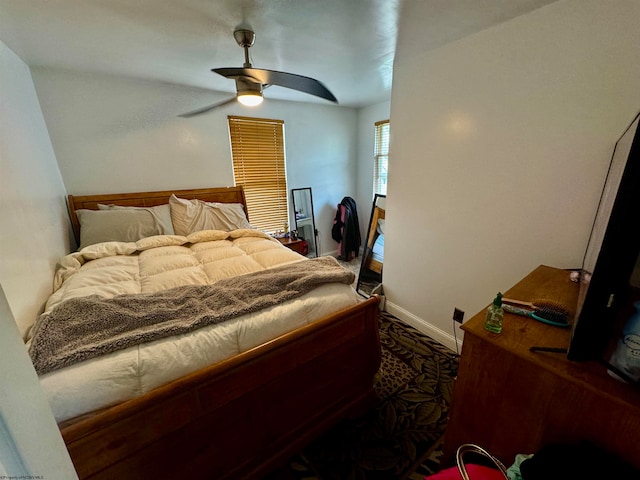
[[313, 217], [366, 251]]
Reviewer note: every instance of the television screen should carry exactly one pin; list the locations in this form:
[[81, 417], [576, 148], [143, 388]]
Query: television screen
[[611, 251]]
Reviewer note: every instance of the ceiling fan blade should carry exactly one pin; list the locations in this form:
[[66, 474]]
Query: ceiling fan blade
[[237, 72], [208, 108], [282, 79]]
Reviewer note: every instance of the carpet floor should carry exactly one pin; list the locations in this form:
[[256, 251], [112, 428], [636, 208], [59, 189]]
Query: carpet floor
[[401, 437]]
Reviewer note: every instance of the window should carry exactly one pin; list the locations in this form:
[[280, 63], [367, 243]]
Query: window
[[381, 155], [257, 148]]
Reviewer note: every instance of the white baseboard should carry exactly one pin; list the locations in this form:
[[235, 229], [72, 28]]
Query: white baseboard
[[447, 339]]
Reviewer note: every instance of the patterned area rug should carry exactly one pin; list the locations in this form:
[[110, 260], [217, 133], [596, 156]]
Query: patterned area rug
[[401, 438]]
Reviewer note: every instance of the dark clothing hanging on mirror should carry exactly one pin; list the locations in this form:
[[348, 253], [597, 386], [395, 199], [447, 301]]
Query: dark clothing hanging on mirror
[[346, 229]]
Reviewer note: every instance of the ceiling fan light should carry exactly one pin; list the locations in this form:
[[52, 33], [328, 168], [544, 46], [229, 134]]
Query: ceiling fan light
[[248, 93], [250, 99]]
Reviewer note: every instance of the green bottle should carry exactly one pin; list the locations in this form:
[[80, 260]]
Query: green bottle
[[495, 314]]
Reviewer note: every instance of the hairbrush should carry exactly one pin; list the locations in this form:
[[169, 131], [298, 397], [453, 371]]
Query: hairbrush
[[546, 304], [549, 316]]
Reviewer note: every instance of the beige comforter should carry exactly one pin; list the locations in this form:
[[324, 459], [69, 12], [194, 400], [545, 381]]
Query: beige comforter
[[87, 327], [158, 263]]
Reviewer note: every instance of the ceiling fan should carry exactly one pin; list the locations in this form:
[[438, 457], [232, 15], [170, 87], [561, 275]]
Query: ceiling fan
[[250, 82]]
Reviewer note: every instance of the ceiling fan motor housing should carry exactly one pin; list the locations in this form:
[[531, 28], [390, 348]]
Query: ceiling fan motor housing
[[245, 38], [246, 86]]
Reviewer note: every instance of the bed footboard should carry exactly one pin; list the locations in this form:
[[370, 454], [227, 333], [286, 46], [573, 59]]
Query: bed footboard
[[239, 418]]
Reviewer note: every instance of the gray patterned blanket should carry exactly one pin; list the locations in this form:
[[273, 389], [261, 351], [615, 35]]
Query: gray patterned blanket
[[87, 327]]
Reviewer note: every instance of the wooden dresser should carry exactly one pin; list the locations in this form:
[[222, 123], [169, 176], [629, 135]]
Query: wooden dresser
[[511, 400]]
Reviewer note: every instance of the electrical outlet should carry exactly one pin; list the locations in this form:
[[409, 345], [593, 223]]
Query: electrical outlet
[[458, 315]]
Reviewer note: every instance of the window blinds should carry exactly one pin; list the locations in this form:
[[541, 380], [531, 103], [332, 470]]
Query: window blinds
[[381, 157], [257, 148]]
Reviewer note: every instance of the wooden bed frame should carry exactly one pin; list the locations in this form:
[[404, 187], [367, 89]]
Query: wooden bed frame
[[239, 418]]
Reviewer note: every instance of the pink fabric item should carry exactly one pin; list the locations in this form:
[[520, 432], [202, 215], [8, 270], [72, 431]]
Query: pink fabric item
[[476, 472]]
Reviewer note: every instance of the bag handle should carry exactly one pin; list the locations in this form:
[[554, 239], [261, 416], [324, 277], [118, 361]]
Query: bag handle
[[471, 448]]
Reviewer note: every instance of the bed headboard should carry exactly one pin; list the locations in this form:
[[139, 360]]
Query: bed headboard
[[151, 199]]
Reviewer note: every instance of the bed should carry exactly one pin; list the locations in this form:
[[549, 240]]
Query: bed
[[184, 403]]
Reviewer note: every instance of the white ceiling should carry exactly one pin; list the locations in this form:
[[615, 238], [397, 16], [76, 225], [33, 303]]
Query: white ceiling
[[348, 45]]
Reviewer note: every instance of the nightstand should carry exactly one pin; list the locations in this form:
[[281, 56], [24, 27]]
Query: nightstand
[[299, 245]]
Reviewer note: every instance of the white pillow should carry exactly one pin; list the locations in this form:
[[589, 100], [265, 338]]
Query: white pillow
[[190, 216], [162, 214], [97, 226]]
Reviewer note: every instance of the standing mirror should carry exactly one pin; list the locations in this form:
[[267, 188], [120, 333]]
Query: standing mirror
[[370, 275], [305, 223]]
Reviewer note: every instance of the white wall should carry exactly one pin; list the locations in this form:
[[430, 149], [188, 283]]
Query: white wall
[[34, 233], [367, 117], [31, 445], [113, 134], [496, 165], [34, 226]]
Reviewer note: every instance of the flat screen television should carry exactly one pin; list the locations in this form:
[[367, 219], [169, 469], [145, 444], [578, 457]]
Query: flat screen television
[[610, 275]]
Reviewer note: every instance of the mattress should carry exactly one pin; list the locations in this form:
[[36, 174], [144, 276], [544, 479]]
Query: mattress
[[169, 261]]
